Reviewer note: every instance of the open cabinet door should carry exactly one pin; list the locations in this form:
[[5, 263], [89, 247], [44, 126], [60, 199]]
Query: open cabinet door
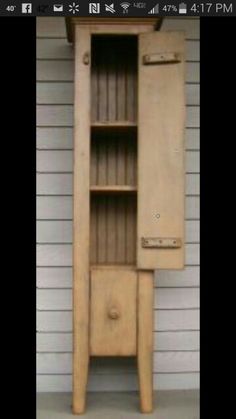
[[161, 168]]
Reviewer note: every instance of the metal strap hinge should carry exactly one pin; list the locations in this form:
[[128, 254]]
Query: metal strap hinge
[[161, 243], [162, 58]]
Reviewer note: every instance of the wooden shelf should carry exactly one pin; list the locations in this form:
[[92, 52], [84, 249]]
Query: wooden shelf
[[108, 124], [113, 189], [114, 125], [114, 266]]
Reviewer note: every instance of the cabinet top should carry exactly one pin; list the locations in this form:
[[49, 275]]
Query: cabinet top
[[149, 22]]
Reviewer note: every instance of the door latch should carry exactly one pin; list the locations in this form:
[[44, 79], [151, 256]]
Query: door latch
[[86, 58]]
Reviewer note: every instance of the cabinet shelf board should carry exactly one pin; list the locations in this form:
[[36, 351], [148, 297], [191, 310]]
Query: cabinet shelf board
[[113, 189], [114, 266], [114, 125]]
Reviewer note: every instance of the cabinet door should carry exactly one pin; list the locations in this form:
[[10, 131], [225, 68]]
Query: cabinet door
[[161, 169]]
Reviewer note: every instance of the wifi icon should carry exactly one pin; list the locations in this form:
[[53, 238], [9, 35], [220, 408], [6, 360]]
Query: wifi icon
[[125, 6]]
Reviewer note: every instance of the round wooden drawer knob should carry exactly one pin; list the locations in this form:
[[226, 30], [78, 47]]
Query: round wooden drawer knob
[[113, 314]]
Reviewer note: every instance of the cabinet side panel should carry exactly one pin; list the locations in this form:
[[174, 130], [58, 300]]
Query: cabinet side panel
[[81, 220]]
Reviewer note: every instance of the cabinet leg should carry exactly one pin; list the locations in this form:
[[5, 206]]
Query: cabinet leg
[[80, 378], [145, 340], [80, 344]]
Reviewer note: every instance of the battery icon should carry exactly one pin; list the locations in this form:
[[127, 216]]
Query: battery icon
[[182, 8]]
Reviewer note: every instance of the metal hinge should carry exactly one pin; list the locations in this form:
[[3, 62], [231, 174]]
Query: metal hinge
[[160, 242], [162, 58]]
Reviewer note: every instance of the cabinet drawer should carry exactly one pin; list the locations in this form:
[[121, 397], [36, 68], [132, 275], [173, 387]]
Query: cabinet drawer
[[113, 308]]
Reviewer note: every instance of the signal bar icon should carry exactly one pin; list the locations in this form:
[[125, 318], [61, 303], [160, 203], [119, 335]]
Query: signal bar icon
[[154, 10]]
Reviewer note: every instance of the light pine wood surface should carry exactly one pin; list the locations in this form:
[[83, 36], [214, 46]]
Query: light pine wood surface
[[113, 319], [177, 333], [145, 340], [81, 223], [161, 162]]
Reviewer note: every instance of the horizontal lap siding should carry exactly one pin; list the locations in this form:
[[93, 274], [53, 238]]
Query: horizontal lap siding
[[54, 231], [62, 115], [176, 327], [58, 49], [57, 277], [118, 382], [62, 70], [61, 93], [165, 299], [164, 362], [61, 161], [61, 254], [61, 184], [164, 341], [61, 138], [165, 320], [60, 207]]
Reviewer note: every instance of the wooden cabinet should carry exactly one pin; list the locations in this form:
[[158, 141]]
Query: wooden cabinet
[[129, 117]]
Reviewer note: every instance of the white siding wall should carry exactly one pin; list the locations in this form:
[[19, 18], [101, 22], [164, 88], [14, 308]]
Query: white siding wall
[[176, 357]]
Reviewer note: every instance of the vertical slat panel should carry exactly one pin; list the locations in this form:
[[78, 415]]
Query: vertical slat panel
[[131, 83], [120, 91], [120, 163], [102, 162], [94, 87], [97, 94], [135, 90], [93, 232], [131, 157], [135, 165], [102, 229], [111, 85], [102, 80], [129, 93], [111, 161], [113, 229], [114, 87], [120, 230], [130, 230], [93, 165], [114, 159], [111, 225]]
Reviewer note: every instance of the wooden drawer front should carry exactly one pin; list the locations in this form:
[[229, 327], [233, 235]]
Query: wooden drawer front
[[113, 312]]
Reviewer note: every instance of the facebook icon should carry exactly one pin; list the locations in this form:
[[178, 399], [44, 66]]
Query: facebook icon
[[26, 8]]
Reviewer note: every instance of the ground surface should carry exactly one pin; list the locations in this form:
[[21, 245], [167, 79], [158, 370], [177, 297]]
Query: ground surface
[[168, 405]]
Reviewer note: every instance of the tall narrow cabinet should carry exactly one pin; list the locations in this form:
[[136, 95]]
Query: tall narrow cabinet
[[129, 118]]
